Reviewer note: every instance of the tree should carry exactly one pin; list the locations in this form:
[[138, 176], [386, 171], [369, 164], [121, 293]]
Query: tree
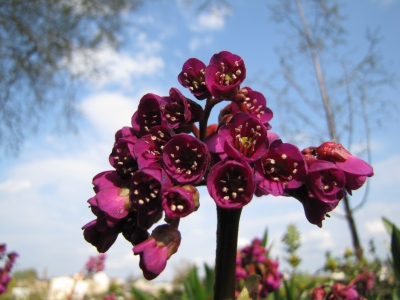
[[37, 42], [328, 86]]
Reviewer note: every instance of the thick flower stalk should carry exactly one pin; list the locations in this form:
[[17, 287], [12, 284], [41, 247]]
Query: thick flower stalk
[[170, 149]]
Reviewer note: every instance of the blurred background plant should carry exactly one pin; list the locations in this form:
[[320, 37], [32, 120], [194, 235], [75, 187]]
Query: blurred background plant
[[338, 278]]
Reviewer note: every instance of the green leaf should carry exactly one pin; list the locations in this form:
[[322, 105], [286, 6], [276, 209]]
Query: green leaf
[[193, 287], [250, 289], [395, 294], [289, 288], [139, 294], [396, 251], [209, 280], [265, 238], [388, 225]]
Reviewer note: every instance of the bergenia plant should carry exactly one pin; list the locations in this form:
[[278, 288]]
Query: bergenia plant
[[170, 149], [5, 271]]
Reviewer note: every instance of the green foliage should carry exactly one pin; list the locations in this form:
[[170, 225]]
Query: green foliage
[[394, 232], [140, 295], [291, 240], [250, 289], [197, 289], [28, 274], [38, 41]]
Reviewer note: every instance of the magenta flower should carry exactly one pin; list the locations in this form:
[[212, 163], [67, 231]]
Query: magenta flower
[[103, 239], [147, 185], [122, 157], [224, 75], [355, 169], [325, 181], [185, 158], [193, 78], [95, 264], [149, 148], [342, 291], [318, 293], [231, 183], [244, 137], [156, 250], [256, 106], [178, 111], [272, 279], [147, 115], [282, 167], [112, 195], [180, 201], [314, 209]]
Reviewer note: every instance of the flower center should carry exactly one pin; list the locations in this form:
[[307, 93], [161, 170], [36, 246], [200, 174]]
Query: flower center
[[227, 74], [124, 163], [246, 138], [186, 159], [144, 193], [233, 184], [280, 168], [176, 202]]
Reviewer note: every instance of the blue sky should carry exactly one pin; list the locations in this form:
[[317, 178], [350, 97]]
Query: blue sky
[[44, 190]]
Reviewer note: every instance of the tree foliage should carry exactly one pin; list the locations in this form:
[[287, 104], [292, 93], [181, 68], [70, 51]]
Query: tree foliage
[[37, 42], [330, 86]]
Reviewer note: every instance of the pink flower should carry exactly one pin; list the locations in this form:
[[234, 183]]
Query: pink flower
[[325, 181], [341, 291], [224, 75], [231, 183], [122, 157], [282, 167], [178, 111], [147, 186], [185, 158], [244, 137], [318, 293], [180, 201], [147, 115], [193, 78], [256, 106], [156, 250], [149, 148], [315, 209], [355, 169]]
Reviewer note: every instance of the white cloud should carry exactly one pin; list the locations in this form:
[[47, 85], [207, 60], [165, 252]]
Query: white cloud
[[385, 2], [375, 227], [320, 237], [14, 186], [108, 112], [114, 67], [197, 42], [214, 19], [106, 65], [387, 172]]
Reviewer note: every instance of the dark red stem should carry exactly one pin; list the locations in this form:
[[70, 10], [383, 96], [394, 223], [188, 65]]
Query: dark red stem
[[225, 261]]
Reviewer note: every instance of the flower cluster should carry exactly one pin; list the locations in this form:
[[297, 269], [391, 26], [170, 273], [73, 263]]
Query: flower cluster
[[95, 264], [254, 259], [341, 291], [160, 159], [6, 269]]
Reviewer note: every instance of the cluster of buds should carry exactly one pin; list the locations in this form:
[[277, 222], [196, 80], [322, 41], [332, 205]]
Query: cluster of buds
[[95, 264], [254, 259], [340, 291], [159, 160], [6, 269]]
